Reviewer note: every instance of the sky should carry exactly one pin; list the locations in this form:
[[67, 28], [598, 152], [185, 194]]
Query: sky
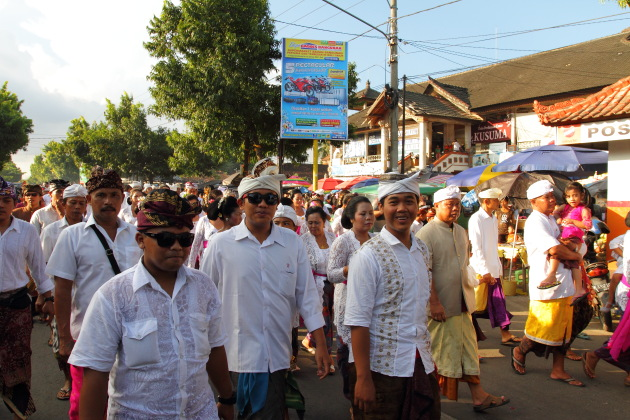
[[65, 57]]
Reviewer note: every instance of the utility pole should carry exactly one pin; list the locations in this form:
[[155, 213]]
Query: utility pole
[[393, 62]]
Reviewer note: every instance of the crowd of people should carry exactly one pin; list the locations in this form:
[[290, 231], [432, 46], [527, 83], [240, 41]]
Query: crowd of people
[[171, 303]]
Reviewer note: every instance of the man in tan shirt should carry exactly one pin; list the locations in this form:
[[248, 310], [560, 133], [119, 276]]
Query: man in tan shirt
[[453, 339]]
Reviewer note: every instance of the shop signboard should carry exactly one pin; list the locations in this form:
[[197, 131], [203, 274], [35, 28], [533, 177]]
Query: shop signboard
[[593, 132], [357, 169], [374, 138], [492, 132], [314, 89]]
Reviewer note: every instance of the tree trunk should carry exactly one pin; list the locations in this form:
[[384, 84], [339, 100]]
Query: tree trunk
[[247, 147]]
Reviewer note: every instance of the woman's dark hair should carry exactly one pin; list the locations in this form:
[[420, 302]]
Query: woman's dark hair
[[216, 194], [576, 186], [286, 201], [316, 210], [347, 198], [317, 200], [295, 191], [351, 209], [222, 208]]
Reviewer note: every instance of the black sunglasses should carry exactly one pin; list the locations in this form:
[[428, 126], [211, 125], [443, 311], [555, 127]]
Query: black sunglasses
[[167, 239], [256, 198]]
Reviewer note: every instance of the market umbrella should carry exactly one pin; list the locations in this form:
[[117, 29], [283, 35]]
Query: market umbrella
[[364, 183], [515, 185], [440, 179], [295, 181], [372, 190], [473, 176], [347, 184], [597, 187], [328, 184], [554, 158]]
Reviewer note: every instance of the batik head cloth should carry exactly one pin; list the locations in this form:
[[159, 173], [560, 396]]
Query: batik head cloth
[[392, 186], [108, 179], [6, 188], [32, 188], [57, 184], [164, 208]]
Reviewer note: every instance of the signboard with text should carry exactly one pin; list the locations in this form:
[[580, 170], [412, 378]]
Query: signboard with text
[[314, 89], [491, 132], [593, 132]]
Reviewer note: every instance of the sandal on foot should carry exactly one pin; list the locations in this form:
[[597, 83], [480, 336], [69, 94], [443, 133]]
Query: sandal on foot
[[511, 342], [490, 402], [518, 362], [549, 286], [568, 381], [64, 394], [588, 371], [571, 355]]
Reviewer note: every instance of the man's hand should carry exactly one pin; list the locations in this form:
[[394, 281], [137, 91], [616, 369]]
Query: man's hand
[[226, 412], [365, 393], [323, 359], [488, 279], [437, 311]]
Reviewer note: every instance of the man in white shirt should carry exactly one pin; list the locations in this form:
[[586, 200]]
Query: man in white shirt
[[74, 204], [483, 233], [388, 291], [53, 211], [80, 264], [155, 330], [548, 326], [19, 247], [263, 275]]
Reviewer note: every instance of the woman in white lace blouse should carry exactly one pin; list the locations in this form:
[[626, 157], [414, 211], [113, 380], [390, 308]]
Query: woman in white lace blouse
[[318, 242], [358, 217]]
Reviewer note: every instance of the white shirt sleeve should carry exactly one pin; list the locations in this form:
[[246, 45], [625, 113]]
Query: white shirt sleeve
[[363, 276], [62, 262], [475, 235], [308, 302], [36, 263]]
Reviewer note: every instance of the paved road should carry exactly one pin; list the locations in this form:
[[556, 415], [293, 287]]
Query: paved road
[[533, 396]]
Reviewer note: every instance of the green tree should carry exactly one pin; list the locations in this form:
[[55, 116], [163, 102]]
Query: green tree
[[622, 3], [11, 173], [40, 171], [214, 57], [55, 162], [14, 126]]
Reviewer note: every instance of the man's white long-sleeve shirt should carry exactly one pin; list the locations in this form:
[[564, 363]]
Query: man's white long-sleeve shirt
[[483, 233]]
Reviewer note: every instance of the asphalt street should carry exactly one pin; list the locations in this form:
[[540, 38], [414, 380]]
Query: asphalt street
[[533, 396]]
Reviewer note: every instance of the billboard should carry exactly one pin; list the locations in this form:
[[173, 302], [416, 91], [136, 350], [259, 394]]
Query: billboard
[[314, 89]]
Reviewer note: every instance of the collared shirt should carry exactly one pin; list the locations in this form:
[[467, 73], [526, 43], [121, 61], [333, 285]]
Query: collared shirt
[[155, 346], [541, 234], [261, 286], [483, 233], [365, 306], [44, 217], [127, 215], [19, 247], [203, 231], [80, 257], [49, 236], [449, 261]]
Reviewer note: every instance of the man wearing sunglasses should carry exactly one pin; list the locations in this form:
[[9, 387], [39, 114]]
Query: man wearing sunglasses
[[32, 196], [80, 264], [263, 276], [155, 330], [53, 211]]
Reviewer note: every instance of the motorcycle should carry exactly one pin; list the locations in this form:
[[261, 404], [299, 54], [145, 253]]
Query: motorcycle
[[321, 84], [597, 271], [299, 85]]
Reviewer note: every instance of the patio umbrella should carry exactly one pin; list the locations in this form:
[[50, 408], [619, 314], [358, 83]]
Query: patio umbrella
[[597, 187], [554, 158], [439, 179], [347, 184], [328, 184], [364, 183], [295, 181], [473, 176], [514, 186]]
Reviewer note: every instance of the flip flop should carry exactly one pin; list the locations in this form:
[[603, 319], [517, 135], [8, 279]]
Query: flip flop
[[63, 394], [573, 356], [568, 381], [587, 369], [490, 402], [511, 342], [549, 286], [514, 360]]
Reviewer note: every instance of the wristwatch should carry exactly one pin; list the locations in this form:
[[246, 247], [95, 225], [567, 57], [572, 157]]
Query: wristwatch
[[228, 401], [49, 299]]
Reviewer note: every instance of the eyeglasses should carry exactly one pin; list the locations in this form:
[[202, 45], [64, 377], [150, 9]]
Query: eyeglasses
[[167, 239], [256, 198]]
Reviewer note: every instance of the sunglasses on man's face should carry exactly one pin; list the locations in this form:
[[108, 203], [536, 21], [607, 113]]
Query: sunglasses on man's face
[[167, 239], [256, 198]]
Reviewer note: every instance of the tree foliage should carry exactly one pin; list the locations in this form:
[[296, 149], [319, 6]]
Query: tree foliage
[[14, 125], [214, 58], [622, 3], [11, 173]]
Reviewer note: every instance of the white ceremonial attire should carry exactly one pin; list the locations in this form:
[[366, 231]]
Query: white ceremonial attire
[[318, 258], [395, 314], [155, 346], [541, 234], [49, 236], [483, 233], [127, 215], [204, 231], [44, 217], [341, 253], [261, 286], [80, 257], [20, 244], [415, 227], [337, 229]]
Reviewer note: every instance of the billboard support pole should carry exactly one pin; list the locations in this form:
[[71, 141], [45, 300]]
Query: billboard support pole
[[315, 163]]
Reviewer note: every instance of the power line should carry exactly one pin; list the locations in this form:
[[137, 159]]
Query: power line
[[350, 7], [327, 30], [430, 8], [291, 7]]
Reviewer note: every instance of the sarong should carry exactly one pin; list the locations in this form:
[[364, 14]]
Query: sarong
[[550, 321], [15, 359], [496, 310], [454, 346]]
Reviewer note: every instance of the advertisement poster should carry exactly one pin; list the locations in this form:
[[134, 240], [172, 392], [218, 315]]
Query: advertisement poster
[[314, 89]]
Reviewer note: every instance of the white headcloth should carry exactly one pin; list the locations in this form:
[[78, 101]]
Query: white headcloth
[[539, 188], [75, 190], [135, 184], [447, 193], [390, 186], [286, 211], [490, 193], [267, 182]]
